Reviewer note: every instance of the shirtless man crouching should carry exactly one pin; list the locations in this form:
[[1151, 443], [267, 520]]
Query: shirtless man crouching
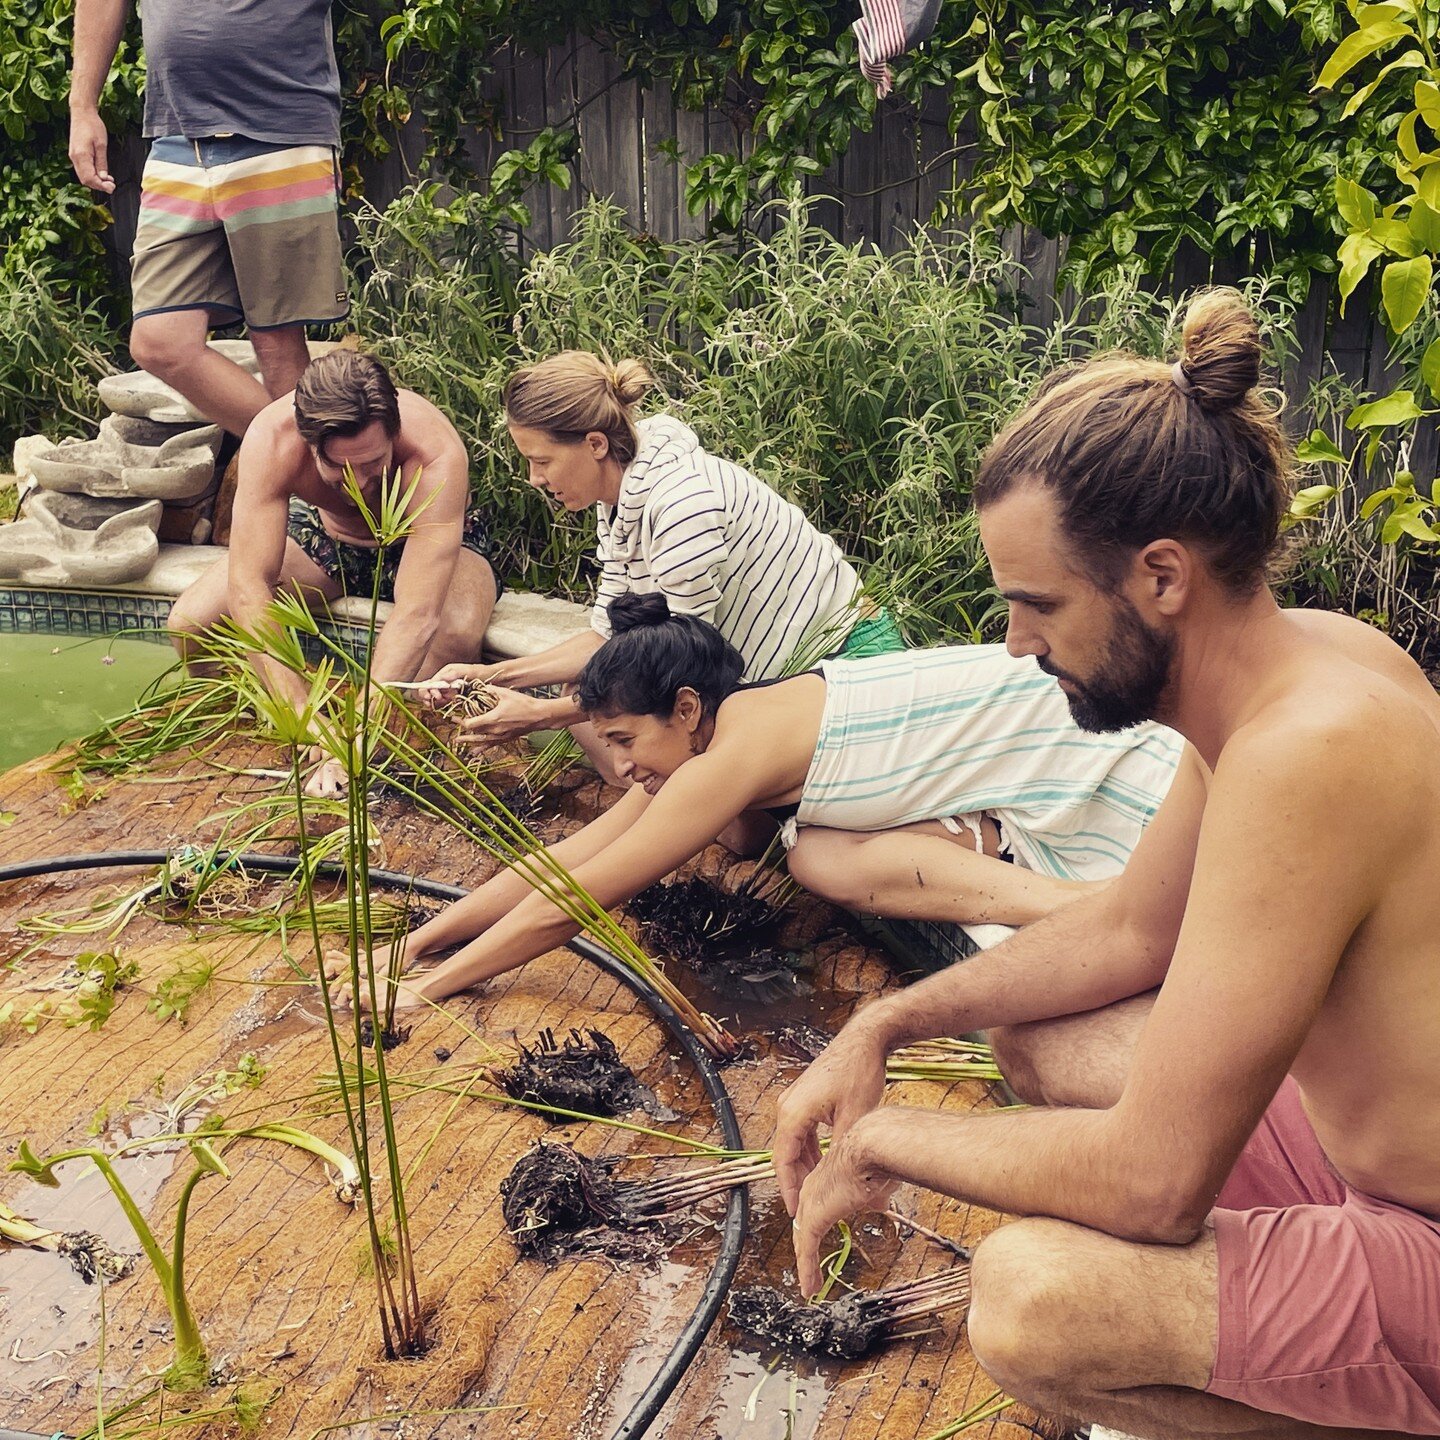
[[295, 526], [1232, 1180]]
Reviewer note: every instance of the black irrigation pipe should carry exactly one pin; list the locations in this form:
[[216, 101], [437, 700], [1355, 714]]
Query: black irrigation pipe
[[737, 1210]]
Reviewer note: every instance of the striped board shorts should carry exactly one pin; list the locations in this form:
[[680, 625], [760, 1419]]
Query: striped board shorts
[[968, 731], [244, 229]]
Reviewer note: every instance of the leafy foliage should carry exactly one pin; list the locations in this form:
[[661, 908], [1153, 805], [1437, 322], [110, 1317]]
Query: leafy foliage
[[862, 386], [1132, 130], [1392, 225]]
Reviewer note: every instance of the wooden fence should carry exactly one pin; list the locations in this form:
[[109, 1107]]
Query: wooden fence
[[887, 183]]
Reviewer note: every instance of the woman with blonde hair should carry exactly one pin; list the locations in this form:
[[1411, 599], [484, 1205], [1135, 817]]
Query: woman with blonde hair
[[718, 543]]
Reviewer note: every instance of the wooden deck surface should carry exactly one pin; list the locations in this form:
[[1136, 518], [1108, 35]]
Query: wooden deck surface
[[276, 1264]]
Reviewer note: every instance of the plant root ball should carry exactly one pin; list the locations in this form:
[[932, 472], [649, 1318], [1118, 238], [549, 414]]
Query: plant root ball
[[690, 919], [559, 1204], [585, 1075], [841, 1329]]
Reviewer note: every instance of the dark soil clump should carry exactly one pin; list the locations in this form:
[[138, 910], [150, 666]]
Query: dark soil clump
[[842, 1329], [581, 1074], [390, 1035], [525, 804], [559, 1204], [801, 1041], [694, 919], [92, 1257]]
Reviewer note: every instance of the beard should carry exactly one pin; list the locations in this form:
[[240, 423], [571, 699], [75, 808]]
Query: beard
[[1130, 679]]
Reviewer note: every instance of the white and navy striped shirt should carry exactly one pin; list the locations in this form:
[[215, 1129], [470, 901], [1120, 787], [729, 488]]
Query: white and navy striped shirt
[[721, 545]]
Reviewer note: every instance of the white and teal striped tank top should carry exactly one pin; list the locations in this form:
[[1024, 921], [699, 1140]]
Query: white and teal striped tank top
[[968, 730]]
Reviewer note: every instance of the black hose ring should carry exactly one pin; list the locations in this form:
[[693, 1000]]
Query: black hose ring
[[737, 1208]]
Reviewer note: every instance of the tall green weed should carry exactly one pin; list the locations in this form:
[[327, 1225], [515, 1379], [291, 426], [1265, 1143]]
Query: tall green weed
[[862, 386]]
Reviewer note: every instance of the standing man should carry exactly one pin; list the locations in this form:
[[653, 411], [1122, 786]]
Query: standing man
[[239, 197], [1231, 1170], [302, 530]]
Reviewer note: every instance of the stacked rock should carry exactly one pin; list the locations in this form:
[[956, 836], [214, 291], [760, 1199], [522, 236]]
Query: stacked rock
[[102, 506]]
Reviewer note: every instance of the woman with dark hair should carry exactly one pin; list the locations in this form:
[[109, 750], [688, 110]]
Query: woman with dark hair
[[900, 780]]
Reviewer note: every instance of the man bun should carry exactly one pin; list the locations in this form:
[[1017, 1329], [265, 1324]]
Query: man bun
[[631, 611], [1220, 349]]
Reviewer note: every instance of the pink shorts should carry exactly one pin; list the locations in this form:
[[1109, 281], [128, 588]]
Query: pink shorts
[[1329, 1298]]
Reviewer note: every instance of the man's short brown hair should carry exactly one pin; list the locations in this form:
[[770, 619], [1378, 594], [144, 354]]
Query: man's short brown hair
[[340, 394]]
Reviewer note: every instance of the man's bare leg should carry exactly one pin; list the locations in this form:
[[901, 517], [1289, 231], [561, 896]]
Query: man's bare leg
[[465, 616], [172, 348], [923, 872], [1099, 1330], [204, 602], [1075, 1060], [283, 356]]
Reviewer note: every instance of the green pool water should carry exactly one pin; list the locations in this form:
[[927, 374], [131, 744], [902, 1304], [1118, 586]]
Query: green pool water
[[54, 688]]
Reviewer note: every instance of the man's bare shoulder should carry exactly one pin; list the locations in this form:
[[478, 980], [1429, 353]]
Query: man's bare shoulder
[[273, 457], [1338, 734], [1367, 647], [425, 432]]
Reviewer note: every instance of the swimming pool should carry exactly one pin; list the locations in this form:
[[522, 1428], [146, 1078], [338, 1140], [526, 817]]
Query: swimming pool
[[55, 688]]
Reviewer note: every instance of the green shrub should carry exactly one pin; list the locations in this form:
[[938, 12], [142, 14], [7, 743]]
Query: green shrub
[[53, 350], [862, 386]]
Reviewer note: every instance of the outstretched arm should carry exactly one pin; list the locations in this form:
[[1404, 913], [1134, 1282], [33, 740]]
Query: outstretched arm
[[257, 553], [427, 565], [461, 922], [692, 808], [1252, 966]]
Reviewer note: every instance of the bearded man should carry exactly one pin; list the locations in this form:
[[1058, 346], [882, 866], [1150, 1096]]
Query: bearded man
[[1231, 1171]]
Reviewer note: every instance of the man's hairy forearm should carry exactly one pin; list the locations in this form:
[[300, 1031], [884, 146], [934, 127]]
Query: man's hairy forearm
[[402, 646], [1074, 1165], [1075, 959], [99, 25]]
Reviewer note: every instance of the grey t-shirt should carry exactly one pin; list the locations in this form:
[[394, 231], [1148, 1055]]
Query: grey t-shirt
[[260, 68]]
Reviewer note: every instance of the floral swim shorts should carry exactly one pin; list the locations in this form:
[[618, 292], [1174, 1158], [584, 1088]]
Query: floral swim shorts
[[352, 567]]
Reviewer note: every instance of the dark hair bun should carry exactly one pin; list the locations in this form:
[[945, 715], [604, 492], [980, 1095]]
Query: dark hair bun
[[631, 611], [1221, 349]]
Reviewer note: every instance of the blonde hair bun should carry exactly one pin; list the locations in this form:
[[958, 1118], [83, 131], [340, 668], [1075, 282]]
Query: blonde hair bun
[[1220, 349], [630, 380], [575, 392]]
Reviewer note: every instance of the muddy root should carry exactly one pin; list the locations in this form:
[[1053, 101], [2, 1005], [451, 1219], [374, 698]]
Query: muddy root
[[842, 1329], [92, 1258], [584, 1074], [690, 918], [558, 1203]]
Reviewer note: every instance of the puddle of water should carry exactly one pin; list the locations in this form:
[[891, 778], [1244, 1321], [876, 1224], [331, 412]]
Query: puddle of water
[[768, 1401], [757, 1400], [46, 1310]]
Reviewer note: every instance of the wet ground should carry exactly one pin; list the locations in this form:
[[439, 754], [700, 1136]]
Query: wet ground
[[276, 1264]]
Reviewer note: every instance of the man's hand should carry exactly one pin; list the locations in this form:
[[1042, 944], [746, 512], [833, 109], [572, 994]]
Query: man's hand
[[90, 150], [512, 715], [845, 1082], [845, 1183]]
